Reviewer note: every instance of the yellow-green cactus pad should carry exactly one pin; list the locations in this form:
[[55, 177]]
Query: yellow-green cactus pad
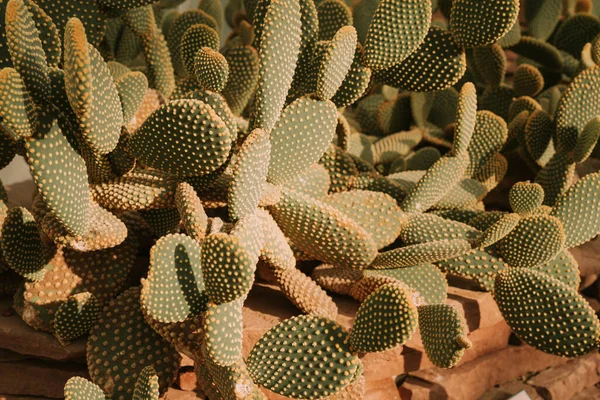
[[490, 62], [140, 20], [465, 194], [563, 267], [323, 232], [466, 118], [478, 23], [587, 140], [422, 228], [362, 13], [332, 16], [421, 253], [48, 33], [75, 317], [243, 76], [479, 265], [120, 159], [391, 146], [444, 334], [578, 211], [177, 31], [378, 213], [386, 319], [528, 80], [161, 75], [438, 63], [78, 388], [147, 386], [278, 53], [121, 335], [435, 184], [233, 380], [387, 42], [336, 279], [320, 365], [539, 51], [22, 246], [181, 126], [542, 17], [16, 108], [497, 100], [334, 61], [574, 32], [220, 107], [314, 182], [423, 159], [538, 135], [577, 107], [61, 178], [162, 221], [369, 284], [535, 240], [132, 88], [520, 104], [91, 91], [174, 289], [488, 138], [223, 327], [227, 268], [275, 251], [305, 293], [556, 176], [210, 69], [546, 313], [425, 279], [340, 166], [498, 230], [194, 38], [300, 137], [118, 5], [193, 216], [525, 197], [26, 51]]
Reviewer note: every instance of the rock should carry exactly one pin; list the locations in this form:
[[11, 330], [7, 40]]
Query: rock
[[563, 381], [591, 393], [479, 308], [381, 389], [186, 380], [175, 394], [588, 257], [510, 389]]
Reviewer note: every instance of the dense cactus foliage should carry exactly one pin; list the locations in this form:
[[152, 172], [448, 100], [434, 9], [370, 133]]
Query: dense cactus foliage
[[363, 137]]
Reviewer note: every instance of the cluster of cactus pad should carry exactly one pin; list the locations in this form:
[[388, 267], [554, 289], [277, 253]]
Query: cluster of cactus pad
[[362, 137]]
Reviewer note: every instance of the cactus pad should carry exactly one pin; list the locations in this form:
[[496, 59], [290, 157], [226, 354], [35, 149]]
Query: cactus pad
[[193, 216], [525, 197], [478, 23], [16, 108], [481, 266], [146, 387], [75, 317], [210, 69], [421, 253], [422, 228], [498, 230], [78, 388], [223, 328]]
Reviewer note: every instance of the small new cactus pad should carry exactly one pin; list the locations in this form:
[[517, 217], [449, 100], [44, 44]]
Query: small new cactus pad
[[223, 327], [313, 225], [26, 51], [335, 61], [177, 137], [387, 42], [466, 118], [488, 138], [300, 137], [332, 15], [546, 313], [210, 69], [386, 319], [227, 268], [436, 183], [481, 266], [525, 197], [60, 176], [444, 334], [378, 213], [195, 38], [146, 387], [278, 53], [249, 173], [78, 388], [321, 363], [176, 32], [15, 105], [122, 344], [75, 317], [422, 228], [498, 230], [91, 91], [528, 80], [174, 289], [535, 240], [578, 210], [478, 23], [22, 246], [587, 140], [436, 64], [193, 216], [421, 253]]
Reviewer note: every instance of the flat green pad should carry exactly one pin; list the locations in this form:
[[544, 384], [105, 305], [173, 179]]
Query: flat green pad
[[546, 313], [161, 75], [542, 17], [184, 138], [243, 76], [525, 197], [488, 138], [578, 210], [174, 289], [211, 69], [16, 108], [426, 280], [575, 31], [75, 317], [22, 246], [78, 388], [538, 135], [386, 319], [528, 80], [564, 268], [335, 60], [481, 266], [498, 230], [249, 174], [323, 232], [422, 228], [336, 279], [490, 63], [196, 37], [378, 213], [306, 357], [300, 137], [535, 240], [26, 51], [421, 253], [278, 53], [193, 216], [122, 335], [444, 334], [275, 251], [466, 119], [435, 184], [132, 88], [587, 140], [436, 64], [91, 91], [314, 182], [61, 178], [355, 83], [48, 33], [332, 16], [146, 386], [577, 107], [477, 23], [223, 326], [227, 268], [388, 42]]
